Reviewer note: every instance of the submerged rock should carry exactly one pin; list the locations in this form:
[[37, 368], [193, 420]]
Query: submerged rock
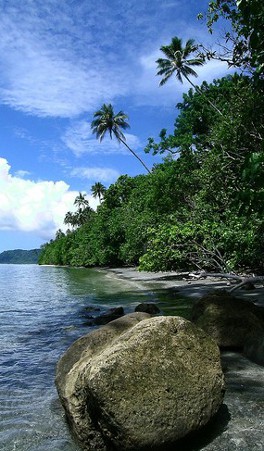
[[147, 307], [109, 315], [140, 383]]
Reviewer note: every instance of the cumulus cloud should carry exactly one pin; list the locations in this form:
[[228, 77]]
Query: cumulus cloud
[[30, 206], [22, 173]]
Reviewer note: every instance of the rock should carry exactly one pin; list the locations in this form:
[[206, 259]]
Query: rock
[[254, 348], [91, 308], [147, 308], [248, 286], [229, 320], [109, 315], [140, 383]]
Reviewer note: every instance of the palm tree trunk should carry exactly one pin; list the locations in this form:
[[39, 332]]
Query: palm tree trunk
[[135, 155], [196, 88]]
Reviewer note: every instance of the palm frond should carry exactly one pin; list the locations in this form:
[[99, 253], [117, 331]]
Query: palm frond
[[176, 44], [168, 51], [195, 62], [190, 47], [189, 71]]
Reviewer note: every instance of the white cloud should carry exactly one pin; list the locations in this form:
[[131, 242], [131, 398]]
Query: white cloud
[[22, 173], [30, 206], [57, 59], [212, 70], [80, 140], [96, 174], [149, 92], [45, 69]]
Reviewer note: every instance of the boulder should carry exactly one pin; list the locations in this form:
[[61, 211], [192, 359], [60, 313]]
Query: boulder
[[140, 383], [147, 308], [254, 348], [229, 320], [106, 317]]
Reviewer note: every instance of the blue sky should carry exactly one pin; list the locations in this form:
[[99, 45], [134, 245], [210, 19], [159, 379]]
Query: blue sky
[[60, 61]]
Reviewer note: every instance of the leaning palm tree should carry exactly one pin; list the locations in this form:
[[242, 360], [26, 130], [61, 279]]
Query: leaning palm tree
[[98, 190], [106, 121], [179, 61]]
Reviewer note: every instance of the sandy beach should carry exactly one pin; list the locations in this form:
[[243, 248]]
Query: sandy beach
[[182, 283]]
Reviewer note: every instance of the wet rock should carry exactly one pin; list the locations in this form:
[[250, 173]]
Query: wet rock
[[150, 308], [140, 382], [248, 286], [91, 308], [109, 315], [229, 320], [254, 348]]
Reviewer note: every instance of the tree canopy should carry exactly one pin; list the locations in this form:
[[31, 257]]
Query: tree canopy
[[203, 206]]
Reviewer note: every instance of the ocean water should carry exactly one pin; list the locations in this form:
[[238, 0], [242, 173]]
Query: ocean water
[[42, 311]]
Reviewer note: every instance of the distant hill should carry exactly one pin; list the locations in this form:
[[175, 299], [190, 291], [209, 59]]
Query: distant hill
[[19, 256]]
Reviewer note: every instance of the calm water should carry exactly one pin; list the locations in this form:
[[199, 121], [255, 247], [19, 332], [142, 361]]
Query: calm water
[[42, 311]]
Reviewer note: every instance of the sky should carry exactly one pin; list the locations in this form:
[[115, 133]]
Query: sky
[[60, 60]]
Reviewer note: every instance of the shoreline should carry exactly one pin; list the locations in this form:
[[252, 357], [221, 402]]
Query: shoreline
[[181, 283], [238, 425]]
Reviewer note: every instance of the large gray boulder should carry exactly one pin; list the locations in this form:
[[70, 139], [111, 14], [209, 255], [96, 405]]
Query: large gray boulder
[[140, 383], [227, 319]]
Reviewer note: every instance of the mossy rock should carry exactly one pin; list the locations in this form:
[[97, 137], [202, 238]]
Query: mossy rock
[[229, 320], [141, 387]]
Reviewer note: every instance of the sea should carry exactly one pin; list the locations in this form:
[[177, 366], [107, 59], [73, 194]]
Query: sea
[[43, 310]]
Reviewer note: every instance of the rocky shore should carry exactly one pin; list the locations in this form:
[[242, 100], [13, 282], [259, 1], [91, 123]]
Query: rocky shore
[[181, 283], [239, 423]]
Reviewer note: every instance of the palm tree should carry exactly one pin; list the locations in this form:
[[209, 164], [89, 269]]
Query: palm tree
[[84, 211], [80, 201], [179, 61], [98, 190], [106, 121], [70, 219]]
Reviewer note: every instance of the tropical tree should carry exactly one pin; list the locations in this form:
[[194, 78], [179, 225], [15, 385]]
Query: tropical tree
[[80, 201], [179, 61], [105, 120], [82, 215], [70, 219], [98, 190], [244, 38]]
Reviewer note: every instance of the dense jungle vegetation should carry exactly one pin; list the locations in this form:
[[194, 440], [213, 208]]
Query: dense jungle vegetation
[[203, 207]]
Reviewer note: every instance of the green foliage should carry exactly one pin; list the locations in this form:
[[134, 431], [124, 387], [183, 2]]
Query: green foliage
[[179, 60], [203, 209], [246, 38], [203, 206], [208, 245], [19, 256], [98, 190]]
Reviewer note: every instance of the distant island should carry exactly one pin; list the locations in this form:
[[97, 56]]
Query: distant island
[[20, 256]]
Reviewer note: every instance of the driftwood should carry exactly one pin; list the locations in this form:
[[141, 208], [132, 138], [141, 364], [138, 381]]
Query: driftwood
[[242, 280]]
